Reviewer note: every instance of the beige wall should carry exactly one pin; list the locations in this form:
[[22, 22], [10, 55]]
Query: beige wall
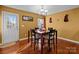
[[0, 25], [27, 24], [69, 29]]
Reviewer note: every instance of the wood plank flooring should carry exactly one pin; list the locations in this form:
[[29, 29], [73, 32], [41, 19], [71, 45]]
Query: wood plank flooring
[[64, 47], [23, 47]]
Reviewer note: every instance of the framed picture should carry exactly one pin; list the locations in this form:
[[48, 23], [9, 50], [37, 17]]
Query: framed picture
[[27, 18]]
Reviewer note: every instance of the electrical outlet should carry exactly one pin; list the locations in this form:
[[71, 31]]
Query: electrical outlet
[[25, 34]]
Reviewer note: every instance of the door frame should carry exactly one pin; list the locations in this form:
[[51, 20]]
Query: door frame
[[3, 23], [45, 22]]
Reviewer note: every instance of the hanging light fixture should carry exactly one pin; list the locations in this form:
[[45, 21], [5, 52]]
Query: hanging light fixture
[[43, 11]]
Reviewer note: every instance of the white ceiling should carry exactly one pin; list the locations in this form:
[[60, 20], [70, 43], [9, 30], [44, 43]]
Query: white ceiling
[[36, 8]]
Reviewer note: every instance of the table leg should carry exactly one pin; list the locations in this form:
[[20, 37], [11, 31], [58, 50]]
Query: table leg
[[28, 36], [41, 44], [56, 42], [49, 45]]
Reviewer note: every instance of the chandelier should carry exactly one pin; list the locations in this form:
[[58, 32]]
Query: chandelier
[[43, 10]]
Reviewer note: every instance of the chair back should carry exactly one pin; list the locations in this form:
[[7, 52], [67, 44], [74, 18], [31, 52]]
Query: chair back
[[32, 32], [34, 35], [51, 31]]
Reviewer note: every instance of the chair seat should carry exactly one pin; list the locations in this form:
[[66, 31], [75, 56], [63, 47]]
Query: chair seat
[[47, 37], [36, 37]]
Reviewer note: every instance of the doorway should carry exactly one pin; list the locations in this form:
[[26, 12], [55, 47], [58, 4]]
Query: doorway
[[40, 23], [10, 27]]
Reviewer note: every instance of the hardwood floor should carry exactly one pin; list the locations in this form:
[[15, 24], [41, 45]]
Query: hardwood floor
[[19, 45], [64, 47], [23, 47]]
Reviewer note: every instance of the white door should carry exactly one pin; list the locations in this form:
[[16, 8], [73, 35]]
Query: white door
[[10, 27], [40, 23]]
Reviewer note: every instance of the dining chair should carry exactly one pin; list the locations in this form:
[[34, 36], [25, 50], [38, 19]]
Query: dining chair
[[45, 42], [34, 38], [50, 38], [48, 41]]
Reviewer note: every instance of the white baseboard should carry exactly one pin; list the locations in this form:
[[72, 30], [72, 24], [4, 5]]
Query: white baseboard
[[23, 38], [7, 45], [69, 40]]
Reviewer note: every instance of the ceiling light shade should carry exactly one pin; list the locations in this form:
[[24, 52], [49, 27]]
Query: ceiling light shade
[[45, 10], [42, 10]]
